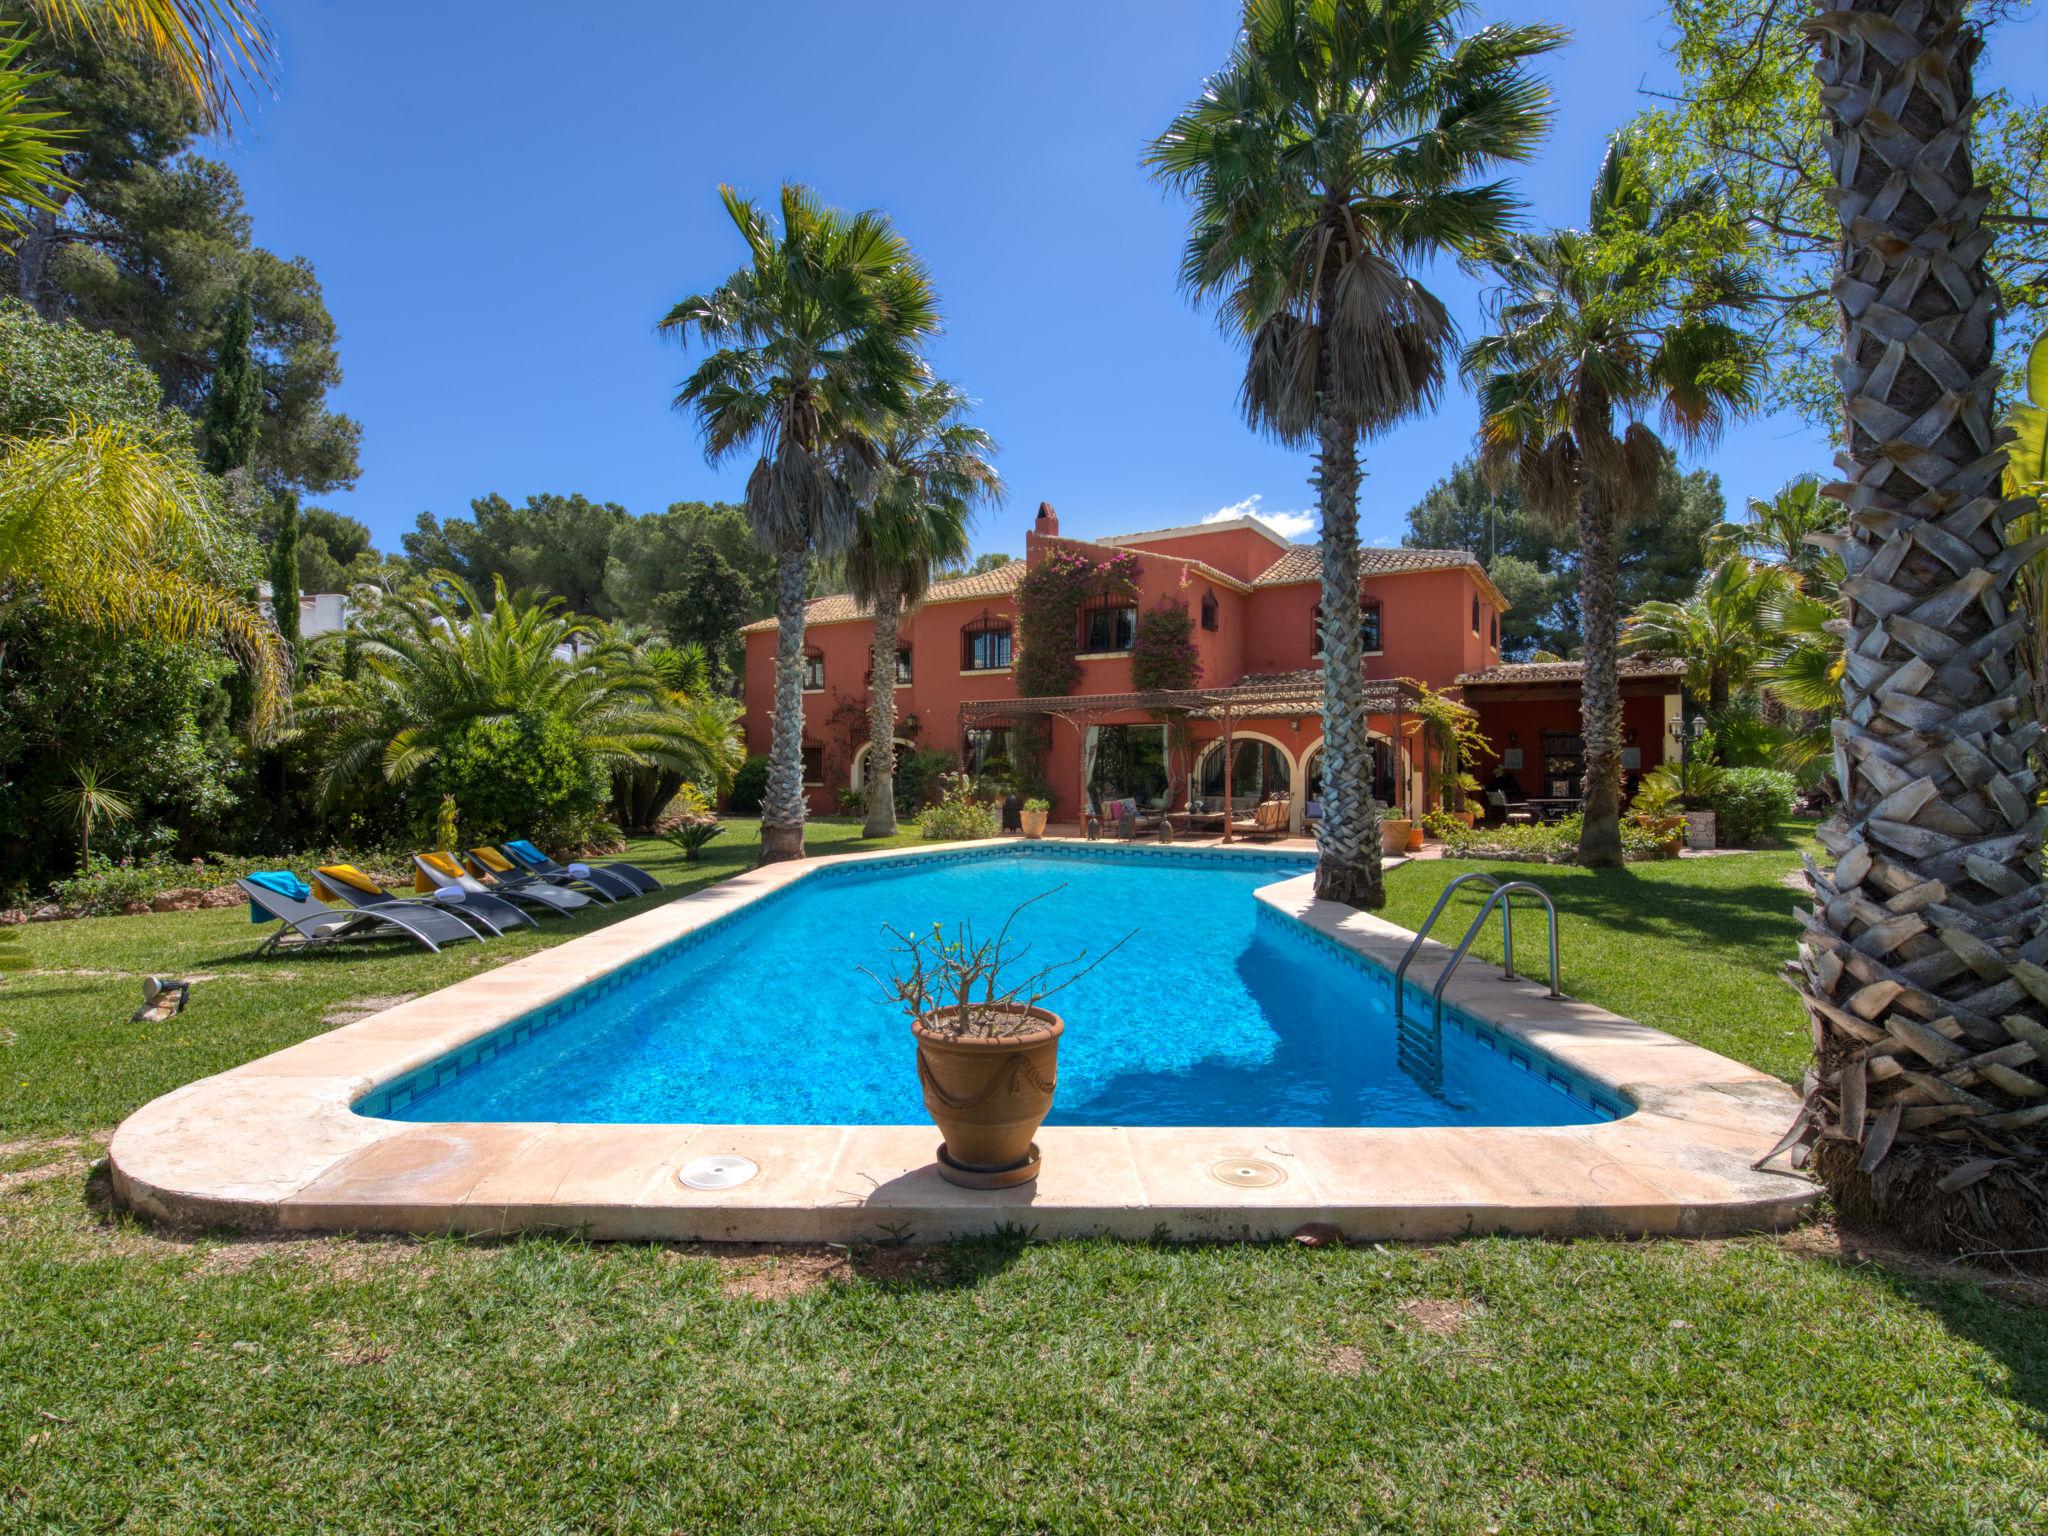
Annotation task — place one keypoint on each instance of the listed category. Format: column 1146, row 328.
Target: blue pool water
column 1214, row 1013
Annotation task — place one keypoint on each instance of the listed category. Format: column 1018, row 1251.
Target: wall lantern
column 910, row 723
column 1629, row 736
column 1514, row 738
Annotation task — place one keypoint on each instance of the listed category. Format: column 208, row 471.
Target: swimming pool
column 1218, row 1011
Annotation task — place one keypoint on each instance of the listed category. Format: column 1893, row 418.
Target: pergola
column 1254, row 697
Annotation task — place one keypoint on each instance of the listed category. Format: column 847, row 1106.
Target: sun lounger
column 442, row 869
column 536, row 862
column 503, row 861
column 317, row 923
column 484, row 912
column 1269, row 820
column 502, row 875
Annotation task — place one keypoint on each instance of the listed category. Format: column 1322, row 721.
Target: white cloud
column 1289, row 525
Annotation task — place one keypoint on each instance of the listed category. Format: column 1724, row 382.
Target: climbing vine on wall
column 1163, row 655
column 1049, row 603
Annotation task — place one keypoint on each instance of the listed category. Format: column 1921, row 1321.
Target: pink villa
column 1254, row 733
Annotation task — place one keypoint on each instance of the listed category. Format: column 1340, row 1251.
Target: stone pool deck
column 276, row 1145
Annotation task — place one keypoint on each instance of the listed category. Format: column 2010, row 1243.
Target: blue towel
column 282, row 881
column 527, row 851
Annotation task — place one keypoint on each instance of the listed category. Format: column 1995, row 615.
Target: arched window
column 814, row 671
column 1109, row 623
column 1209, row 610
column 985, row 643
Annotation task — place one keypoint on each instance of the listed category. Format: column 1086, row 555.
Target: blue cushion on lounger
column 282, row 881
column 526, row 850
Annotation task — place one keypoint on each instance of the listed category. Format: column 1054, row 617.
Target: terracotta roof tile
column 840, row 608
column 1304, row 563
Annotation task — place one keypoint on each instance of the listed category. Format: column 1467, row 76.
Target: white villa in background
column 320, row 613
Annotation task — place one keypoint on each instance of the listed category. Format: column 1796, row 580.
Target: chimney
column 1048, row 524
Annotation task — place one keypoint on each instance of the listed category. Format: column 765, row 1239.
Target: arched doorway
column 857, row 778
column 1383, row 787
column 1260, row 768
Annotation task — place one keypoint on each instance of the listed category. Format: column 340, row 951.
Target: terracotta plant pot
column 1034, row 822
column 1393, row 835
column 1467, row 817
column 1415, row 839
column 988, row 1097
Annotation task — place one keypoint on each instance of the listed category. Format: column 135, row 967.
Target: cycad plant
column 1592, row 331
column 439, row 667
column 813, row 357
column 935, row 471
column 109, row 526
column 1924, row 958
column 1344, row 143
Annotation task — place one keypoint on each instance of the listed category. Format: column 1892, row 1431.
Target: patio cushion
column 282, row 881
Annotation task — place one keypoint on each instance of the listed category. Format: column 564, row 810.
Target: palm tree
column 814, row 357
column 211, row 47
column 1718, row 634
column 1592, row 330
column 937, row 471
column 436, row 661
column 109, row 526
column 1342, row 144
column 1922, row 964
column 1777, row 532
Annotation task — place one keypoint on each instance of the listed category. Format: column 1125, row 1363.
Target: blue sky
column 500, row 206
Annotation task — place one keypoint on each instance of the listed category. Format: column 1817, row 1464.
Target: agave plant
column 439, row 659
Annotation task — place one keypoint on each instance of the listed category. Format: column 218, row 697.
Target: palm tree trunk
column 782, row 804
column 1925, row 961
column 1600, row 687
column 880, row 786
column 1348, row 836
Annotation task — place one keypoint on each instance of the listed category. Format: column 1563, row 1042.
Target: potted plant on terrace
column 987, row 1052
column 1034, row 815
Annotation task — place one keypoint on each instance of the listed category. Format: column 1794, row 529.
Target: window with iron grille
column 1109, row 623
column 814, row 672
column 814, row 765
column 985, row 644
column 902, row 664
column 1368, row 627
column 1209, row 610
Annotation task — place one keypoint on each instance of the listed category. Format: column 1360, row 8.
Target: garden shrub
column 958, row 815
column 749, row 784
column 1163, row 654
column 523, row 775
column 917, row 778
column 1553, row 843
column 1749, row 803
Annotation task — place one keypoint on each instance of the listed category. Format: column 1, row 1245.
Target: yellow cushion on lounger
column 492, row 860
column 441, row 863
column 328, row 876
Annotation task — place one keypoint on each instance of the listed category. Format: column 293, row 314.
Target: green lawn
column 153, row 1382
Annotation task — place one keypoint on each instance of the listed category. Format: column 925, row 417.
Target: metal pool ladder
column 1420, row 1051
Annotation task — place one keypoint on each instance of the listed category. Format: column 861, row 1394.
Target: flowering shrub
column 1049, row 603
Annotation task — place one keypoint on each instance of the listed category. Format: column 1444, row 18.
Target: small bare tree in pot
column 987, row 1052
